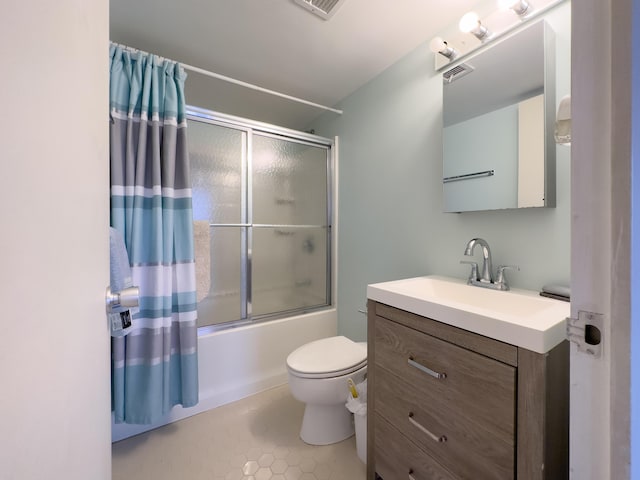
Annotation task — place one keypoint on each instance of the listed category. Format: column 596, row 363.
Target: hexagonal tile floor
column 256, row 438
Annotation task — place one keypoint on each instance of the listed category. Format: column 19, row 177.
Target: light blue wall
column 391, row 223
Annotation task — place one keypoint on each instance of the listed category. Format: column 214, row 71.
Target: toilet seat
column 327, row 358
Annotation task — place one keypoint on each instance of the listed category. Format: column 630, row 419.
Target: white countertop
column 518, row 317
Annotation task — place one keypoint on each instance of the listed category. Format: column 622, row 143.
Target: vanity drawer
column 399, row 459
column 470, row 385
column 486, row 346
column 446, row 432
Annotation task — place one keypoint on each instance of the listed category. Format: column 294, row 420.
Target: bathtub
column 242, row 361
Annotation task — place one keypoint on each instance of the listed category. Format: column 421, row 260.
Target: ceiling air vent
column 457, row 72
column 322, row 8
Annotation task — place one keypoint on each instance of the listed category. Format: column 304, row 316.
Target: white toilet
column 318, row 373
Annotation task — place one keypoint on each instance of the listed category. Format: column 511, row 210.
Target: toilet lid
column 328, row 357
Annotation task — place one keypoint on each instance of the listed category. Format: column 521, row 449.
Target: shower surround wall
column 391, row 221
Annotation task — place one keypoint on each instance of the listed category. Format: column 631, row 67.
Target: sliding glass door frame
column 249, row 128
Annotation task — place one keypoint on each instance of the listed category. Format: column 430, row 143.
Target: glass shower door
column 218, row 176
column 264, row 198
column 290, row 225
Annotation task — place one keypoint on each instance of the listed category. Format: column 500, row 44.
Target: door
column 263, row 193
column 54, row 245
column 600, row 249
column 635, row 240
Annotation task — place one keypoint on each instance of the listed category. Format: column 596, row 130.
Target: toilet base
column 326, row 424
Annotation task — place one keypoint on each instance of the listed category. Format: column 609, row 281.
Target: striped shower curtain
column 155, row 366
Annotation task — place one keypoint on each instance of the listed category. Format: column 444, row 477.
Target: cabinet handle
column 435, row 438
column 411, row 477
column 422, row 368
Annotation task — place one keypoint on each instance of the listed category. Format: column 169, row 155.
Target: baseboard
column 208, row 401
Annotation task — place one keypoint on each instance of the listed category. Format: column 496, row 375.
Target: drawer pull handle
column 428, row 371
column 435, row 438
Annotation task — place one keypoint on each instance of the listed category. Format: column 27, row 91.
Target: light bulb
column 521, row 7
column 469, row 22
column 437, row 44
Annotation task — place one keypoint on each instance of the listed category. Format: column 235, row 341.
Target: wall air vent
column 322, row 8
column 457, row 72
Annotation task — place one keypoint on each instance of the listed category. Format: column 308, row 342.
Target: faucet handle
column 502, row 280
column 473, row 276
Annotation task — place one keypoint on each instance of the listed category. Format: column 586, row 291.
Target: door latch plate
column 586, row 332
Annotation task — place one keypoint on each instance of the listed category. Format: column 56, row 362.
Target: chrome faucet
column 486, row 255
column 486, row 278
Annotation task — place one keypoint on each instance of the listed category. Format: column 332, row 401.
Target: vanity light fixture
column 438, row 45
column 520, row 7
column 470, row 23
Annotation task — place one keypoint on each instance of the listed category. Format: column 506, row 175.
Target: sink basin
column 519, row 317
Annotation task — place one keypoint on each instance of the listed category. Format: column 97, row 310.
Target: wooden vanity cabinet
column 448, row 404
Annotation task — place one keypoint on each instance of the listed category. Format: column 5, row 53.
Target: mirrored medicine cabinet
column 498, row 118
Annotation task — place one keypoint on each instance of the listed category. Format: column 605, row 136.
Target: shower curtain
column 155, row 366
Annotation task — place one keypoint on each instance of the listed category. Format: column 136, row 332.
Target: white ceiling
column 281, row 46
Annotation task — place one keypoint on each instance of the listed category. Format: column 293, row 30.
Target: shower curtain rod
column 237, row 82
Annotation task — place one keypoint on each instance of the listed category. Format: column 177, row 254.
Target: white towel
column 202, row 251
column 119, row 267
column 120, row 278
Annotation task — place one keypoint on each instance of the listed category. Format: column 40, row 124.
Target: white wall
column 54, row 207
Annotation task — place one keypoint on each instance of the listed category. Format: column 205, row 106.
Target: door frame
column 600, row 245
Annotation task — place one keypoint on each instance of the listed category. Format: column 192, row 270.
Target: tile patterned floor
column 256, row 438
